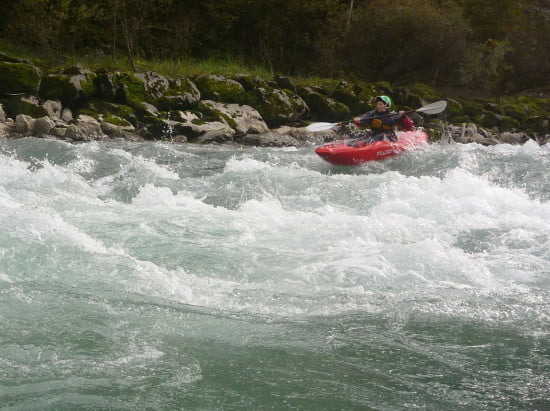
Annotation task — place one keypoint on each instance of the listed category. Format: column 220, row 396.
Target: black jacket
column 380, row 122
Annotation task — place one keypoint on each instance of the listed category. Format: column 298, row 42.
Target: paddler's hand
column 401, row 113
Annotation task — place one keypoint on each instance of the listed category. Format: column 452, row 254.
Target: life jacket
column 406, row 124
column 384, row 122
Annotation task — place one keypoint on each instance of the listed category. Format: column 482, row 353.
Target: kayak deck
column 350, row 152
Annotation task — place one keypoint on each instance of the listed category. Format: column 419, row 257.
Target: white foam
column 245, row 165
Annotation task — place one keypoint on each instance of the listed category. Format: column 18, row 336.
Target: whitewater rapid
column 138, row 273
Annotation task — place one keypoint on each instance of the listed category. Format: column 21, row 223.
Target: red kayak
column 350, row 153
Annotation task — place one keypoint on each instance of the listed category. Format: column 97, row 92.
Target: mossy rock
column 345, row 93
column 250, row 82
column 507, row 123
column 90, row 112
column 385, row 88
column 116, row 120
column 324, row 108
column 130, row 90
column 537, row 124
column 71, row 90
column 182, row 94
column 525, row 106
column 366, row 94
column 460, row 119
column 220, row 88
column 208, row 112
column 473, row 107
column 416, row 95
column 276, row 106
column 454, row 108
column 23, row 105
column 106, row 108
column 485, row 119
column 16, row 78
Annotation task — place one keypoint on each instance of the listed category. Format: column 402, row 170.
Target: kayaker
column 382, row 120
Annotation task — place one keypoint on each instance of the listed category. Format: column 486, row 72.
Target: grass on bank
column 171, row 68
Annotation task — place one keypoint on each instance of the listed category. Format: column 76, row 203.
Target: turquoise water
column 166, row 276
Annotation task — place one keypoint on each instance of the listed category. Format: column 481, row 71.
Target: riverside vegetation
column 79, row 104
column 89, row 70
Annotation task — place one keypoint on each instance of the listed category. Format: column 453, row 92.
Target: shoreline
column 78, row 104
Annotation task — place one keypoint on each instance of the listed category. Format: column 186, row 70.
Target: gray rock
column 269, row 139
column 86, row 129
column 53, row 108
column 207, row 133
column 244, row 119
column 42, row 126
column 5, row 130
column 23, row 124
column 67, row 115
column 513, row 138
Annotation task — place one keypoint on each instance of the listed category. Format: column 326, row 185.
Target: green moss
column 454, row 108
column 72, row 90
column 22, row 105
column 89, row 112
column 249, row 81
column 131, row 89
column 232, row 123
column 106, row 108
column 58, row 87
column 117, row 121
column 220, row 89
column 485, row 119
column 506, row 123
column 472, row 108
column 460, row 119
column 18, row 78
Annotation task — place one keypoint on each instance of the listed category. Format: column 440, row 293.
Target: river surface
column 165, row 277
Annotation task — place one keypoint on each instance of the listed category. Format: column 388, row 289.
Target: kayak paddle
column 433, row 108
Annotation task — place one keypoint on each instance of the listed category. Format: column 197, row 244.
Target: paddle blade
column 320, row 126
column 434, row 108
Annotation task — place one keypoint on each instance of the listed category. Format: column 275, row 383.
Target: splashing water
column 170, row 276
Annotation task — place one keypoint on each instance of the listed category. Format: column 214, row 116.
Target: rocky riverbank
column 78, row 104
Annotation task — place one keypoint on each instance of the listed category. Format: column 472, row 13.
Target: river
column 168, row 276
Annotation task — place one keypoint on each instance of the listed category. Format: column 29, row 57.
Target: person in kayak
column 382, row 120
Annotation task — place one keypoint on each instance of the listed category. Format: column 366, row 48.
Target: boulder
column 243, row 119
column 5, row 130
column 345, row 93
column 86, row 129
column 42, row 126
column 53, row 108
column 250, row 82
column 19, row 78
column 284, row 82
column 155, row 84
column 324, row 108
column 72, row 87
column 513, row 138
column 181, row 95
column 276, row 106
column 28, row 105
column 206, row 133
column 66, row 115
column 116, row 127
column 269, row 139
column 105, row 86
column 23, row 124
column 219, row 88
